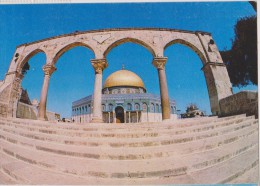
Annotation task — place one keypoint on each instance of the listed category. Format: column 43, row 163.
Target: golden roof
column 123, row 78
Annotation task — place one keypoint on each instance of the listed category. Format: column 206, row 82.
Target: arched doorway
column 119, row 114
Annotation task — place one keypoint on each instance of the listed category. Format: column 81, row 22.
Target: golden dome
column 124, row 78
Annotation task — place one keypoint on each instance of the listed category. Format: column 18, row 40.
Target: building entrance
column 119, row 115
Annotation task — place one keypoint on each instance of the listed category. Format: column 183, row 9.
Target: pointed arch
column 68, row 47
column 28, row 57
column 131, row 40
column 190, row 45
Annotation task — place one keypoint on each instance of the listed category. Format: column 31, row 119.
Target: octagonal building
column 124, row 100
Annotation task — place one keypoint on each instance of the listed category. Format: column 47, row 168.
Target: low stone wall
column 30, row 112
column 26, row 111
column 244, row 102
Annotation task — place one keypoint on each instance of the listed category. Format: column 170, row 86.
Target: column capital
column 48, row 69
column 99, row 65
column 159, row 62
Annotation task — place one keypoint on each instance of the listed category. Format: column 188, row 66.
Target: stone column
column 159, row 63
column 114, row 117
column 99, row 65
column 108, row 117
column 137, row 117
column 48, row 70
column 129, row 121
column 125, row 116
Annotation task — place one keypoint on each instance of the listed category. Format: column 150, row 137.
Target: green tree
column 241, row 59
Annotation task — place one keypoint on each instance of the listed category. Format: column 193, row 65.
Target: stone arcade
column 124, row 100
column 206, row 150
column 101, row 42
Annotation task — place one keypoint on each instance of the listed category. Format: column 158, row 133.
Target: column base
column 166, row 120
column 42, row 119
column 96, row 120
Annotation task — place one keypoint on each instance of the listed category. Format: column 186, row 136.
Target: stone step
column 220, row 135
column 227, row 171
column 212, row 150
column 142, row 133
column 23, row 175
column 176, row 165
column 100, row 127
column 114, row 134
column 26, row 173
column 249, row 175
column 5, row 179
column 14, row 163
column 132, row 152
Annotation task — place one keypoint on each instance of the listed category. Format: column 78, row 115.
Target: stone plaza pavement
column 189, row 151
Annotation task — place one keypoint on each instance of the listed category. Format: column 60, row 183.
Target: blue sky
column 74, row 78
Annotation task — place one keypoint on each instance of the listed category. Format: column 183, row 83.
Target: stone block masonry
column 244, row 102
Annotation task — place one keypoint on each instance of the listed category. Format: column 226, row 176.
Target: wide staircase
column 189, row 151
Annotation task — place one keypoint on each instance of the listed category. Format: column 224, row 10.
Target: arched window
column 157, row 108
column 123, row 91
column 129, row 106
column 137, row 106
column 152, row 107
column 110, row 107
column 103, row 107
column 132, row 91
column 115, row 91
column 86, row 108
column 144, row 107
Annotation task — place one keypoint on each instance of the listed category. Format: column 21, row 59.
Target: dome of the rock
column 124, row 78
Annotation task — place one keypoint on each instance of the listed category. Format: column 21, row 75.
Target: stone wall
column 30, row 112
column 3, row 110
column 26, row 111
column 240, row 103
column 52, row 116
column 83, row 118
